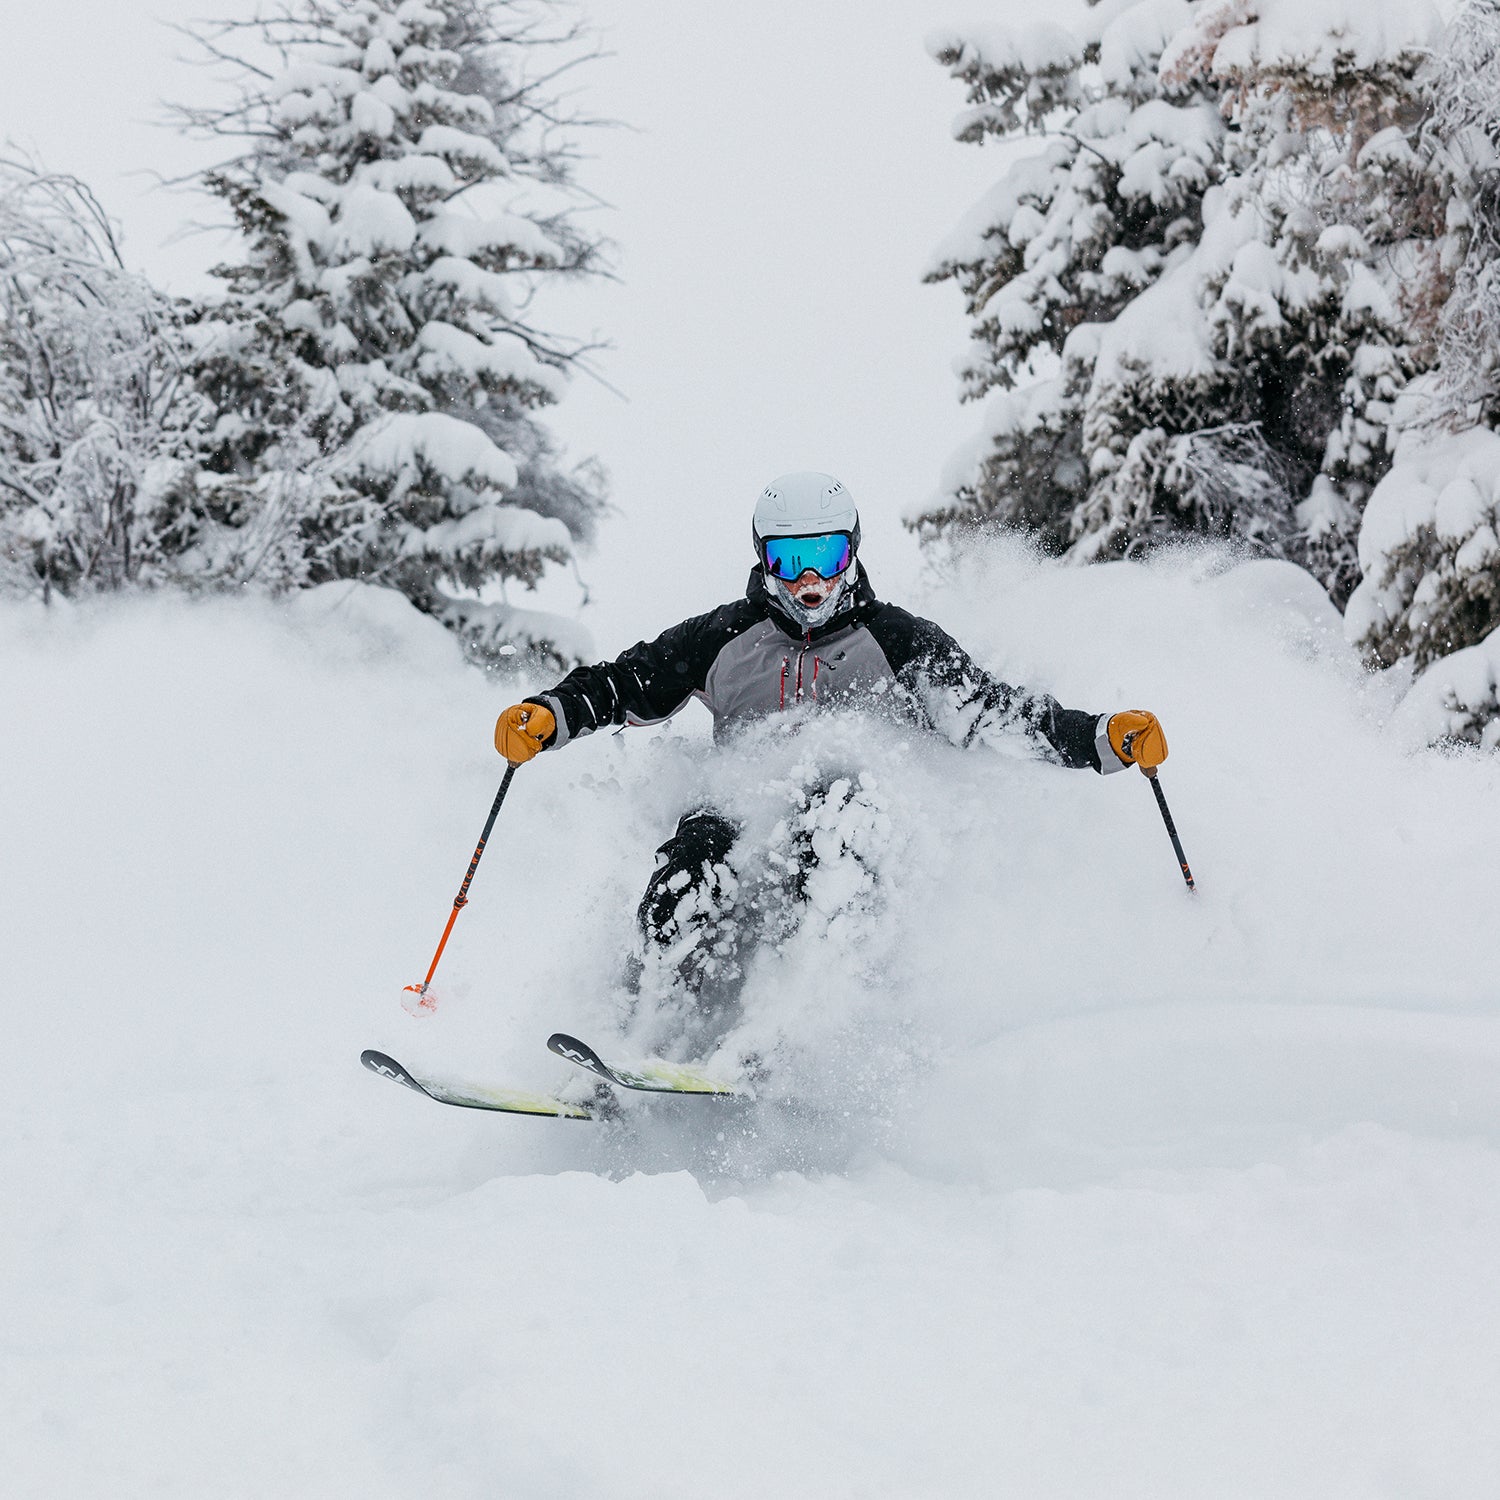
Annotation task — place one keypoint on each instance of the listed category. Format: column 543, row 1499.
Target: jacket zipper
column 802, row 657
column 786, row 661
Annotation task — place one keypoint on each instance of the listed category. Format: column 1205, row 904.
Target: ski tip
column 474, row 1096
column 575, row 1051
column 388, row 1067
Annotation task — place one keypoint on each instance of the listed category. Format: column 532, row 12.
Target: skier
column 809, row 630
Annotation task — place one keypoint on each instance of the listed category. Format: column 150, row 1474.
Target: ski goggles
column 789, row 557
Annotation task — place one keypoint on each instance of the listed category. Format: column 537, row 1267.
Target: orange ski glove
column 1137, row 738
column 522, row 730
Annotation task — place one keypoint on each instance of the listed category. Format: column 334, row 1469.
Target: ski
column 472, row 1096
column 652, row 1076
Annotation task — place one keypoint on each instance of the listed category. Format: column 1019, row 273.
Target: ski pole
column 1166, row 818
column 425, row 1001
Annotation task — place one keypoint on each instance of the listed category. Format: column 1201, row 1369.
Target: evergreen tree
column 374, row 362
column 1071, row 234
column 1238, row 380
column 96, row 416
column 1327, row 310
column 1462, row 131
column 1429, row 603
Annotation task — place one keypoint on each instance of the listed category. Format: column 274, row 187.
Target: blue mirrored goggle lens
column 790, row 557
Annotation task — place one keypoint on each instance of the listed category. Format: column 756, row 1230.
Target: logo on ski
column 580, row 1055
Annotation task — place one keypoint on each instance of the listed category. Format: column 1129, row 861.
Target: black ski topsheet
column 474, row 1096
column 653, row 1076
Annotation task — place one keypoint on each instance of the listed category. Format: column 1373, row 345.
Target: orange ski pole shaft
column 461, row 900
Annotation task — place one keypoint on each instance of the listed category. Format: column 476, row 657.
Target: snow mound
column 1456, row 700
column 413, row 445
column 1430, row 547
column 1056, row 1152
column 1328, row 38
column 1447, row 484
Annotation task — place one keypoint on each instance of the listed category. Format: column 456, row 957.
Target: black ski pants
column 685, row 879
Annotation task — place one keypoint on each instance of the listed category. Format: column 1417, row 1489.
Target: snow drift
column 1163, row 1195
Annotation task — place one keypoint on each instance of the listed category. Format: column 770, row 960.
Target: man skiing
column 809, row 631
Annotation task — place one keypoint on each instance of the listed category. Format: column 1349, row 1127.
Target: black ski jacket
column 748, row 659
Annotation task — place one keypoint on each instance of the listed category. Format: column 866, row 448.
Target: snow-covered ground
column 1112, row 1192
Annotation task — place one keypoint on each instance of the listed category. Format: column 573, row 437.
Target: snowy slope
column 1117, row 1192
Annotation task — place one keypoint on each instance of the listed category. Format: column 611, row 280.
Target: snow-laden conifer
column 376, row 361
column 1324, row 308
column 1237, row 381
column 1107, row 200
column 96, row 483
column 1429, row 602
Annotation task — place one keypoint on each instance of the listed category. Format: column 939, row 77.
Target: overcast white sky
column 787, row 171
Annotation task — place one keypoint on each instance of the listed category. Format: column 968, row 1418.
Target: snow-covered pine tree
column 1107, row 202
column 1324, row 299
column 96, row 415
column 1430, row 543
column 1237, row 381
column 375, row 362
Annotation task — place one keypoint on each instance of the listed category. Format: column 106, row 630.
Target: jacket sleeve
column 965, row 703
column 646, row 684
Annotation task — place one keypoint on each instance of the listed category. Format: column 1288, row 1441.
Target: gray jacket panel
column 745, row 660
column 765, row 670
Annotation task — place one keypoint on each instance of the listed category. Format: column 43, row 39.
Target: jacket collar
column 853, row 607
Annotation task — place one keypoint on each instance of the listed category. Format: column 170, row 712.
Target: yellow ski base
column 652, row 1076
column 476, row 1096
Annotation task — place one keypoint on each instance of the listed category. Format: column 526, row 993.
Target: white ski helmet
column 806, row 507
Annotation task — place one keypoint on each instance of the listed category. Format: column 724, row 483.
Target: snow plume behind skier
column 810, row 634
